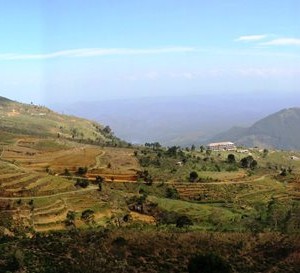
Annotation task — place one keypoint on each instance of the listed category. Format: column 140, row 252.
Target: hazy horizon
column 70, row 51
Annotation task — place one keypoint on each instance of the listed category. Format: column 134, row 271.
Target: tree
column 265, row 153
column 231, row 158
column 172, row 151
column 99, row 181
column 193, row 148
column 88, row 216
column 82, row 170
column 248, row 162
column 70, row 219
column 107, row 130
column 193, row 176
column 253, row 164
column 201, row 148
column 145, row 176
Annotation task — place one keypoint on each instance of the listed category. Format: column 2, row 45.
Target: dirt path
column 98, row 163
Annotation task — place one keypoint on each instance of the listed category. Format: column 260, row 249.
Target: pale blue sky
column 72, row 50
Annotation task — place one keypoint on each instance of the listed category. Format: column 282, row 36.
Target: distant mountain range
column 279, row 130
column 178, row 120
column 171, row 122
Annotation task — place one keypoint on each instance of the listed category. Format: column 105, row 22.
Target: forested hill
column 280, row 130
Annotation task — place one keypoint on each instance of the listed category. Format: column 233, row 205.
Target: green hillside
column 280, row 130
column 28, row 119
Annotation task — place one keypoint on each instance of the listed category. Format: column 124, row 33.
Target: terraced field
column 38, row 192
column 228, row 191
column 32, row 184
column 31, row 155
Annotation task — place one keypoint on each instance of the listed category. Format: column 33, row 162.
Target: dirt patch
column 142, row 217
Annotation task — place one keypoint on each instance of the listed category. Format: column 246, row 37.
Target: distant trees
column 248, row 162
column 193, row 148
column 201, row 148
column 145, row 176
column 107, row 130
column 172, row 151
column 231, row 158
column 154, row 145
column 265, row 153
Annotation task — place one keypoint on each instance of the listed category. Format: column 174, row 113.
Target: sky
column 72, row 50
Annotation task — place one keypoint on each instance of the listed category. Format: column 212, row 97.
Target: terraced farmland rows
column 32, row 184
column 211, row 191
column 21, row 184
column 6, row 178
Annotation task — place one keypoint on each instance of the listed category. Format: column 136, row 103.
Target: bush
column 231, row 158
column 83, row 183
column 193, row 176
column 183, row 221
column 82, row 170
column 172, row 193
column 208, row 263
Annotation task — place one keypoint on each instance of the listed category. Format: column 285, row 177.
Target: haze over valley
column 180, row 120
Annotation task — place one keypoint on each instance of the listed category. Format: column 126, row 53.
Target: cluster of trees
column 248, row 162
column 154, row 145
column 145, row 176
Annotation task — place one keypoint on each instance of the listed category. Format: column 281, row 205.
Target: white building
column 221, row 146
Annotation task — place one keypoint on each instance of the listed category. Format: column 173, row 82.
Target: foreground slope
column 280, row 130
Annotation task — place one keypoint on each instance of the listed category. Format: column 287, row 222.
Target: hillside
column 120, row 208
column 280, row 130
column 28, row 119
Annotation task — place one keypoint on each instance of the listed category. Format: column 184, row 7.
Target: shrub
column 83, row 183
column 193, row 176
column 82, row 170
column 172, row 193
column 183, row 221
column 208, row 263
